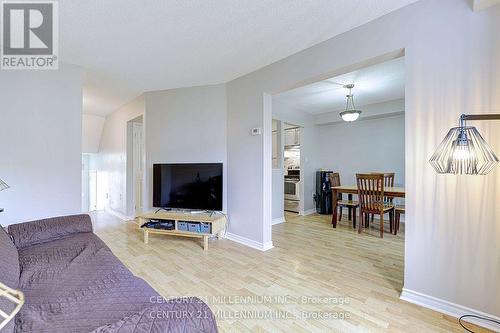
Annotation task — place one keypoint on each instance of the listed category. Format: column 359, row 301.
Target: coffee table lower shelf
column 147, row 231
column 217, row 222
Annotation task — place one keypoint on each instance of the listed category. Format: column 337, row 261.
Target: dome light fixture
column 350, row 114
column 464, row 151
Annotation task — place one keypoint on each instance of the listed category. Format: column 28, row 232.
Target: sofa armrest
column 41, row 231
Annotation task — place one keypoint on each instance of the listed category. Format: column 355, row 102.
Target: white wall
column 40, row 143
column 186, row 125
column 180, row 125
column 376, row 145
column 278, row 204
column 91, row 133
column 112, row 175
column 452, row 66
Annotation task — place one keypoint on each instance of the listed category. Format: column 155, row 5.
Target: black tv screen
column 188, row 186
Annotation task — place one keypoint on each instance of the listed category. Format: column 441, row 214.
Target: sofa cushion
column 41, row 231
column 76, row 284
column 9, row 272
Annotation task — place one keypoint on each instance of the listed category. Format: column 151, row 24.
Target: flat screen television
column 188, row 186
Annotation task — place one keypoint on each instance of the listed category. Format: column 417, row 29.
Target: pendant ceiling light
column 464, row 151
column 350, row 113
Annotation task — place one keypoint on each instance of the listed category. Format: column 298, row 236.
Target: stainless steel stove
column 292, row 190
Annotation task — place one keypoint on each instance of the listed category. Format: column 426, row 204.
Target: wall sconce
column 464, row 151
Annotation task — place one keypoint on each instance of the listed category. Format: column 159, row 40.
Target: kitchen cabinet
column 292, row 137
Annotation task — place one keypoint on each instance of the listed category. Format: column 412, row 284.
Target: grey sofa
column 72, row 282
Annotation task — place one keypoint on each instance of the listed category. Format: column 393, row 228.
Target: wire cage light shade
column 3, row 185
column 464, row 151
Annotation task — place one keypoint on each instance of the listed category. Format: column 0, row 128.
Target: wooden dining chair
column 400, row 209
column 351, row 205
column 371, row 200
column 388, row 182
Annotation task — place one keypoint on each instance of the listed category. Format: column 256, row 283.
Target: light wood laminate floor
column 353, row 281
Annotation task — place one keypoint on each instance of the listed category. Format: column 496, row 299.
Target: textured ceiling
column 130, row 46
column 375, row 84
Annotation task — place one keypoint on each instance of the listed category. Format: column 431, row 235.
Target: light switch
column 256, row 131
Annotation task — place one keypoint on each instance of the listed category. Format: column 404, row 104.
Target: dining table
column 391, row 192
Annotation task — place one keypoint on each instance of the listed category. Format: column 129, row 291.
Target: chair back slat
column 370, row 191
column 335, row 181
column 389, row 179
column 388, row 182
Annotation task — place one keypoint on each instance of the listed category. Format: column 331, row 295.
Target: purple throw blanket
column 73, row 283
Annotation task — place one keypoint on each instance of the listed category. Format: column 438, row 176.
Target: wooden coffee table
column 218, row 224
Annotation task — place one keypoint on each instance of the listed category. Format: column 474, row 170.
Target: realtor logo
column 29, row 35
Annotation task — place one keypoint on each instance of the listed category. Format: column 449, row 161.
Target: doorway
column 347, row 146
column 135, row 166
column 288, row 191
column 89, row 183
column 92, row 190
column 291, row 160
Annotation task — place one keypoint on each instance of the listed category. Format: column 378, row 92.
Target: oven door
column 292, row 205
column 292, row 189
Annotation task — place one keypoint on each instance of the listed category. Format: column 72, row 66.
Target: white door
column 92, row 190
column 85, row 183
column 138, row 167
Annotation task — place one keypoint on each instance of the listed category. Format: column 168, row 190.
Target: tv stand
column 217, row 224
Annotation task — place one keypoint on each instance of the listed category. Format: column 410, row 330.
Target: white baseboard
column 249, row 242
column 307, row 212
column 278, row 220
column 267, row 246
column 448, row 308
column 119, row 215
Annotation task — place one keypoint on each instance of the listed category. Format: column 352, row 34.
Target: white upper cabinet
column 292, row 136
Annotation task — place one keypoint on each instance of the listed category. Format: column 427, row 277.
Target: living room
column 198, row 80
